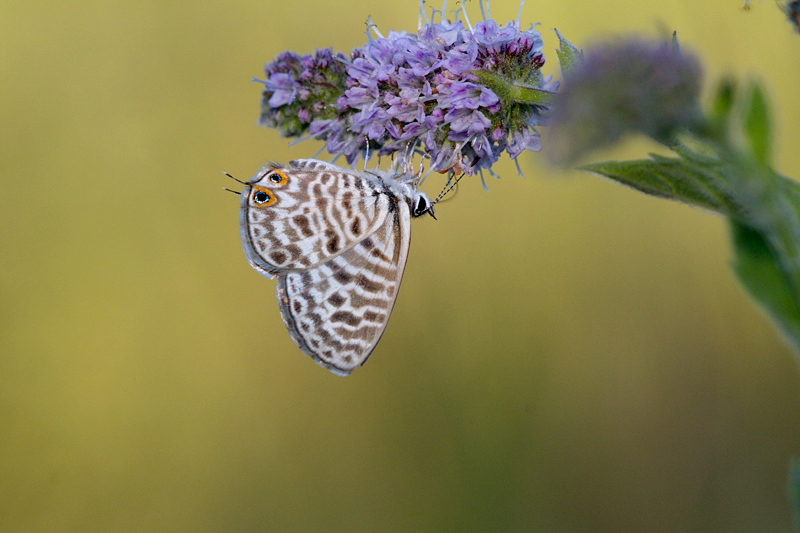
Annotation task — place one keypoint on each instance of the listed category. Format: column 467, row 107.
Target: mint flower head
column 459, row 94
column 622, row 86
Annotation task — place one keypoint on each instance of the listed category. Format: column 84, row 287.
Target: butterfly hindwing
column 337, row 311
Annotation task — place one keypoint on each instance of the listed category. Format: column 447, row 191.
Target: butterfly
column 337, row 240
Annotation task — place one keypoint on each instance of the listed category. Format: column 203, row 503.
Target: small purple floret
column 282, row 87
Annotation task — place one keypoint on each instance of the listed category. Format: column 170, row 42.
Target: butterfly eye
column 422, row 205
column 277, row 178
column 261, row 197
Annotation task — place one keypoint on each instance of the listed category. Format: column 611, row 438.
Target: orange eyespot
column 262, row 197
column 276, row 177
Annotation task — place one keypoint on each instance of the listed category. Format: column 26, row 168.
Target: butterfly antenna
column 451, row 196
column 234, row 179
column 366, row 152
column 231, row 190
column 447, row 188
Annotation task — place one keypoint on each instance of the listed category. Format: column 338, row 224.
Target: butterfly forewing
column 337, row 311
column 296, row 217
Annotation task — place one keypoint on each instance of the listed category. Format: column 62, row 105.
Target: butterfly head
column 421, row 204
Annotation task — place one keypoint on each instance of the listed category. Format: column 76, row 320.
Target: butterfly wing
column 337, row 311
column 296, row 217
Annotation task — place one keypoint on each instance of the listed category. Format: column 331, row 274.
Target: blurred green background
column 565, row 354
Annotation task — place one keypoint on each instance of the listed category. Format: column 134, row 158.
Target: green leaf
column 755, row 123
column 721, row 107
column 770, row 204
column 569, row 55
column 747, row 192
column 760, row 271
column 674, row 178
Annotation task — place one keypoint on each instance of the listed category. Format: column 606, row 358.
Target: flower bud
column 618, row 87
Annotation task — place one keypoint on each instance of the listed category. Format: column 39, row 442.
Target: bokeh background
column 565, row 355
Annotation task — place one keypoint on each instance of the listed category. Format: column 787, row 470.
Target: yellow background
column 565, row 355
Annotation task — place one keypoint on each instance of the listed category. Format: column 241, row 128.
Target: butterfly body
column 337, row 240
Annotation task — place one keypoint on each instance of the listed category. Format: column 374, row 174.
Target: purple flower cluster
column 403, row 91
